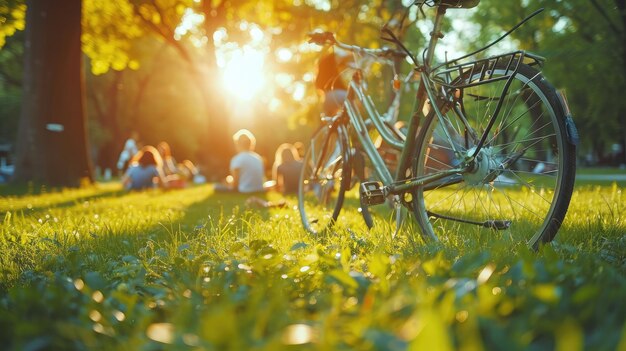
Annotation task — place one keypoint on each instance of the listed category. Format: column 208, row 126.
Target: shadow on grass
column 32, row 210
column 216, row 207
column 22, row 189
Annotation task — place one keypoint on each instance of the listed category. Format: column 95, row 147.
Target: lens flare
column 243, row 73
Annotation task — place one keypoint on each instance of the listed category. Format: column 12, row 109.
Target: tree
column 585, row 46
column 52, row 140
column 12, row 14
column 117, row 99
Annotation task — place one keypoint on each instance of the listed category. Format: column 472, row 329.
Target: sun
column 242, row 68
column 243, row 73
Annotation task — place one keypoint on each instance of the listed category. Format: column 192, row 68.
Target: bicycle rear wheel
column 324, row 179
column 520, row 182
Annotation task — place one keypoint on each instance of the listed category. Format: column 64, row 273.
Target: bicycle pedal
column 372, row 193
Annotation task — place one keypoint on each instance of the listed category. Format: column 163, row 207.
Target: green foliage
column 109, row 28
column 12, row 18
column 11, row 61
column 585, row 50
column 98, row 268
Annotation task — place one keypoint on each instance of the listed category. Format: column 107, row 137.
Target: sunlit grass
column 99, row 268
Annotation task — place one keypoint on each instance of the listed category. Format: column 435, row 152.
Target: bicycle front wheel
column 324, row 179
column 519, row 184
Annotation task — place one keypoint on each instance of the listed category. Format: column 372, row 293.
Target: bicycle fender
column 572, row 131
column 570, row 127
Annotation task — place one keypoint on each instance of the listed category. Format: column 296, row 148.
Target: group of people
column 151, row 167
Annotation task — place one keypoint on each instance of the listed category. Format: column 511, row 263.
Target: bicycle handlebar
column 322, row 38
column 328, row 38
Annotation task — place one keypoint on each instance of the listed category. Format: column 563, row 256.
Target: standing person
column 131, row 148
column 246, row 167
column 144, row 170
column 287, row 168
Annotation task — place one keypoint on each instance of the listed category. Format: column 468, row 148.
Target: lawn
column 601, row 176
column 98, row 268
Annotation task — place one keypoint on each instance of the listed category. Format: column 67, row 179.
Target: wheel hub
column 484, row 168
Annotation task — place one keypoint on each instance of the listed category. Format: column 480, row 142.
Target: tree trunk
column 52, row 136
column 218, row 145
column 217, row 148
column 621, row 5
column 110, row 121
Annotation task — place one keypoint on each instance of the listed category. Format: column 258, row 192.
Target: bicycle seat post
column 435, row 35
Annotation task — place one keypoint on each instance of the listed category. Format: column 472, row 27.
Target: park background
column 193, row 72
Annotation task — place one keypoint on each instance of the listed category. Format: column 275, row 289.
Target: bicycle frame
column 395, row 184
column 398, row 183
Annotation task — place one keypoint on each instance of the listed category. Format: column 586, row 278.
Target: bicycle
column 490, row 145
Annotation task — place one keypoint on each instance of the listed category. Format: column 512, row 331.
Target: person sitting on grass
column 285, row 175
column 246, row 167
column 177, row 175
column 190, row 172
column 144, row 171
column 169, row 163
column 287, row 168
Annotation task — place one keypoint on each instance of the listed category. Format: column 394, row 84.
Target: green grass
column 99, row 268
column 600, row 170
column 600, row 176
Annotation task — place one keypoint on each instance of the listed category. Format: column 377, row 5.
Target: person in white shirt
column 246, row 167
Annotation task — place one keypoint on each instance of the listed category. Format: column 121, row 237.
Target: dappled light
column 298, row 334
column 312, row 175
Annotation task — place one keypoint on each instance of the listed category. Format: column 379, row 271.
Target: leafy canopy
column 12, row 18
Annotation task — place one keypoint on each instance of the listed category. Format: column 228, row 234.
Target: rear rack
column 481, row 71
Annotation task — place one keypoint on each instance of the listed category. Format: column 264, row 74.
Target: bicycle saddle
column 465, row 4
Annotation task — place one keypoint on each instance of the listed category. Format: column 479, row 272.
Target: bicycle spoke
column 523, row 206
column 507, row 112
column 500, row 129
column 321, row 190
column 516, row 119
column 538, row 139
column 517, row 173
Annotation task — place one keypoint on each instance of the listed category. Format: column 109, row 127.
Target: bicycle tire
column 321, row 190
column 524, row 187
